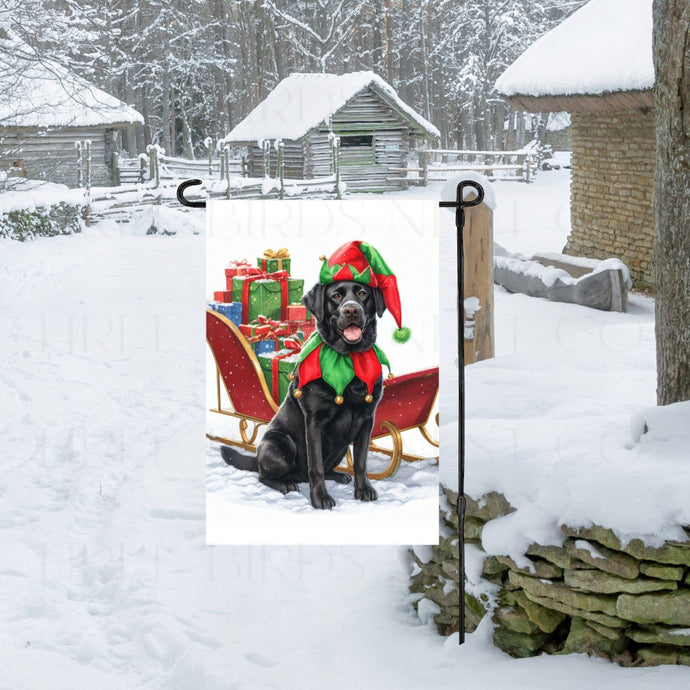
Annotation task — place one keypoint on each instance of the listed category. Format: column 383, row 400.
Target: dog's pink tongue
column 352, row 333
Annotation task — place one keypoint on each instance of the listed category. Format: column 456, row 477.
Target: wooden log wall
column 50, row 155
column 293, row 156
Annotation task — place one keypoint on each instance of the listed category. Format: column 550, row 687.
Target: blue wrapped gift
column 262, row 347
column 230, row 310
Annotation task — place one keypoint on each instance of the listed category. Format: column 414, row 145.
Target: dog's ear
column 379, row 302
column 313, row 301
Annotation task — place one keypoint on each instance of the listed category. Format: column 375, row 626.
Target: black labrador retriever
column 310, row 433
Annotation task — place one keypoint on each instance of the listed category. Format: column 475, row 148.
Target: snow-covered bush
column 28, row 223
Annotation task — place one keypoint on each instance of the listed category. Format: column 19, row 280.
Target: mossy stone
column 657, row 634
column 595, row 616
column 547, row 620
column 563, row 593
column 612, row 562
column 518, row 644
column 662, row 572
column 583, row 638
column 672, row 608
column 606, row 583
column 543, row 569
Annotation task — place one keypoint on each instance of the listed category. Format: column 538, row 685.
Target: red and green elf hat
column 360, row 262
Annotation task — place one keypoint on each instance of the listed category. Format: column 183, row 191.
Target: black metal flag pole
column 460, row 205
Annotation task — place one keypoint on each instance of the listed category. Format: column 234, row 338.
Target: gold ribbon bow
column 281, row 253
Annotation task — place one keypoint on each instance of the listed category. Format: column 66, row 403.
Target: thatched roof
column 600, row 58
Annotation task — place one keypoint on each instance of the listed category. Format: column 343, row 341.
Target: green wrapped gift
column 261, row 295
column 277, row 367
column 278, row 260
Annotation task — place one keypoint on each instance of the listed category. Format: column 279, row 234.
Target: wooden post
column 424, row 165
column 267, row 157
column 208, row 143
column 116, row 168
column 281, row 168
column 158, row 165
column 225, row 167
column 77, row 147
column 87, row 166
column 245, row 165
column 479, row 283
column 528, row 167
column 335, row 148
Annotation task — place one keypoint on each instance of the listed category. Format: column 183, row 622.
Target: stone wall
column 628, row 603
column 611, row 192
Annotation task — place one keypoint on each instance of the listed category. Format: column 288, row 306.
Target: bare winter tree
column 672, row 199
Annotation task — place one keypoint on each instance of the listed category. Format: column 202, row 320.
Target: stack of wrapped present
column 264, row 302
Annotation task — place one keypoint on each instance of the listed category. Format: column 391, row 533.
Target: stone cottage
column 597, row 66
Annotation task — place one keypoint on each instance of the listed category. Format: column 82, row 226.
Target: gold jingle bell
column 339, row 399
column 291, row 377
column 297, row 392
column 391, row 375
column 368, row 398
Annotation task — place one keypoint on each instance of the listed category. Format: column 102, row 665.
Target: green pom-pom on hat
column 402, row 334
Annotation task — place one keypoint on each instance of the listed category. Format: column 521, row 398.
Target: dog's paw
column 339, row 477
column 366, row 492
column 322, row 500
column 288, row 487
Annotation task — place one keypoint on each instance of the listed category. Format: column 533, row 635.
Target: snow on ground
column 105, row 578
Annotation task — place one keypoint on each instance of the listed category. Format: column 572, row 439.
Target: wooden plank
column 479, row 282
column 588, row 103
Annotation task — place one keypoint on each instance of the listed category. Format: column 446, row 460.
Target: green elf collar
column 319, row 360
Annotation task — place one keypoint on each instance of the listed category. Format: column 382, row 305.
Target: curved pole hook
column 186, row 202
column 460, row 204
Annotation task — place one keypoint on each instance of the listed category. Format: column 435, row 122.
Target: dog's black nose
column 352, row 311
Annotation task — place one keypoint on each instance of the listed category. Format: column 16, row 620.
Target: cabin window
column 351, row 141
column 357, row 149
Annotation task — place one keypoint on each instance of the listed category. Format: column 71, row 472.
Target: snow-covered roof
column 604, row 47
column 38, row 92
column 301, row 102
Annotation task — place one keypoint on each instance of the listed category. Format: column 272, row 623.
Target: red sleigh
column 406, row 404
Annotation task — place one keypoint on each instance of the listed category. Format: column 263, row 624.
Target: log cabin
column 375, row 127
column 46, row 111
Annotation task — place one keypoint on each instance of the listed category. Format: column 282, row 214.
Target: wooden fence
column 155, row 168
column 437, row 165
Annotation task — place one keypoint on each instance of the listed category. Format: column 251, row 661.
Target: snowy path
column 105, row 578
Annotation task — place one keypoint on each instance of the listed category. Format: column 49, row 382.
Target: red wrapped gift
column 298, row 312
column 223, row 296
column 239, row 268
column 306, row 326
column 264, row 329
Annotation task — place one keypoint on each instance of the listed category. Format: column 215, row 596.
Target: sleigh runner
column 406, row 405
